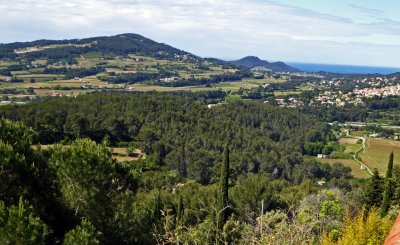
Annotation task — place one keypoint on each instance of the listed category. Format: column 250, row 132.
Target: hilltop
column 254, row 62
column 122, row 44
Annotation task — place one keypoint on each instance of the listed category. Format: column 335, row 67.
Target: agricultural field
column 356, row 171
column 47, row 84
column 377, row 151
column 350, row 148
column 49, row 75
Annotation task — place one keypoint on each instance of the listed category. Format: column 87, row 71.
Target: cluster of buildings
column 379, row 92
column 338, row 98
column 169, row 79
column 364, row 88
column 288, row 103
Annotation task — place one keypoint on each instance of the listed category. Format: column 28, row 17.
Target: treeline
column 76, row 72
column 137, row 77
column 207, row 81
column 201, row 81
column 208, row 97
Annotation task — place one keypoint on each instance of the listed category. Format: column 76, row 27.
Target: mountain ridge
column 252, row 62
column 122, row 44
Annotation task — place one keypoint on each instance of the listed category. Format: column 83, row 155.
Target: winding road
column 356, row 155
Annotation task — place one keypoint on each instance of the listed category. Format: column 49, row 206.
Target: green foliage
column 365, row 228
column 251, row 193
column 16, row 135
column 85, row 172
column 386, row 197
column 181, row 210
column 84, row 234
column 387, row 193
column 6, row 164
column 312, row 148
column 231, row 197
column 262, row 138
column 224, row 189
column 89, row 182
column 322, row 211
column 331, row 208
column 19, row 226
column 373, row 190
column 389, row 171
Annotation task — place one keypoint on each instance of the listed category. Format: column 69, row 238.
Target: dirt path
column 355, row 156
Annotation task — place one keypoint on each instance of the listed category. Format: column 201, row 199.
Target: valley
column 131, row 141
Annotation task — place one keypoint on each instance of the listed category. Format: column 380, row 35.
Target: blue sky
column 334, row 32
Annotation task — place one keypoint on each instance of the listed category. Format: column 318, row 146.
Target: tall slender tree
column 181, row 210
column 224, row 188
column 157, row 208
column 389, row 171
column 182, row 162
column 388, row 186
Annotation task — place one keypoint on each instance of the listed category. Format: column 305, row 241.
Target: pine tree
column 18, row 225
column 388, row 187
column 84, row 234
column 224, row 185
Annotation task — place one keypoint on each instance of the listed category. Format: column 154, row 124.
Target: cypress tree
column 181, row 210
column 389, row 171
column 182, row 162
column 157, row 208
column 224, row 185
column 388, row 186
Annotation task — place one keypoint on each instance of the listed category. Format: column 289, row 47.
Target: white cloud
column 229, row 28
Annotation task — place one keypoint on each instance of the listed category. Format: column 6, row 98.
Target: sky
column 354, row 32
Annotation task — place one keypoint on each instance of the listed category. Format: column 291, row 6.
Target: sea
column 344, row 69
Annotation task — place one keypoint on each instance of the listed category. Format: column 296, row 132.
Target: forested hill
column 262, row 138
column 252, row 61
column 122, row 44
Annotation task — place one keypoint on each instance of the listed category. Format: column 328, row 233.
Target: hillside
column 122, row 44
column 253, row 61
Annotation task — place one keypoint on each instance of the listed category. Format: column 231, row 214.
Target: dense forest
column 233, row 174
column 263, row 138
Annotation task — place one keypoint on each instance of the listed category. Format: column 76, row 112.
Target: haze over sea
column 344, row 69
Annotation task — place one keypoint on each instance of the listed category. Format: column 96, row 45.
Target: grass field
column 356, row 171
column 376, row 154
column 284, row 93
column 352, row 148
column 347, row 140
column 232, row 86
column 121, row 154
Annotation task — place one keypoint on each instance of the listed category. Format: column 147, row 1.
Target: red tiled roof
column 394, row 235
